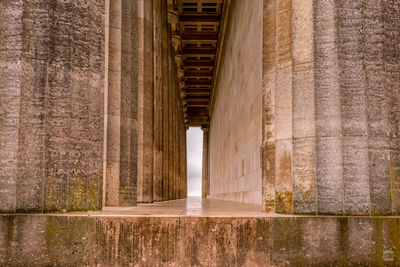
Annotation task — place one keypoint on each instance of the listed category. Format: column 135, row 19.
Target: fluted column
column 158, row 101
column 10, row 98
column 205, row 181
column 284, row 108
column 122, row 98
column 391, row 56
column 145, row 101
column 304, row 138
column 329, row 160
column 165, row 98
column 268, row 102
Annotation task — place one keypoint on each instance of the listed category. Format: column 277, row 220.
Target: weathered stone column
column 10, row 98
column 184, row 164
column 121, row 162
column 165, row 98
column 268, row 102
column 51, row 98
column 329, row 160
column 304, row 138
column 145, row 101
column 175, row 119
column 205, row 181
column 173, row 128
column 158, row 101
column 352, row 82
column 171, row 107
column 391, row 56
column 283, row 109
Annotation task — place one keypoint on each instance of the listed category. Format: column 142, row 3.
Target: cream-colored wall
column 235, row 124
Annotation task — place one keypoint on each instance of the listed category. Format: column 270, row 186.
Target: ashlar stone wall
column 235, row 122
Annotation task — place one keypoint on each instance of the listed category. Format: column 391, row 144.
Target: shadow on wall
column 194, row 160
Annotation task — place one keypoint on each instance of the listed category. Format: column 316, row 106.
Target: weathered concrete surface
column 235, row 123
column 33, row 240
column 51, row 126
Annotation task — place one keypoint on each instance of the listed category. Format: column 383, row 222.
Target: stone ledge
column 79, row 239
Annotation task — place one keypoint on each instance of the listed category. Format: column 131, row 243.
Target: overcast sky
column 194, row 160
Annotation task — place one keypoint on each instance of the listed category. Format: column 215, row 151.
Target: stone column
column 176, row 143
column 329, row 160
column 165, row 98
column 283, row 109
column 184, row 163
column 11, row 43
column 303, row 93
column 158, row 102
column 352, row 82
column 268, row 102
column 171, row 107
column 52, row 64
column 121, row 163
column 205, row 181
column 391, row 22
column 145, row 101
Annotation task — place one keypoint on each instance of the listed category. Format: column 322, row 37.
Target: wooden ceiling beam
column 198, row 74
column 198, row 51
column 188, row 83
column 188, row 63
column 201, row 18
column 196, row 98
column 198, row 121
column 205, row 105
column 199, row 36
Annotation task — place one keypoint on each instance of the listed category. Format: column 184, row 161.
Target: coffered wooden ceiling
column 199, row 24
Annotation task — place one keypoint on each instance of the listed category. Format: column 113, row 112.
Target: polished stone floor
column 186, row 207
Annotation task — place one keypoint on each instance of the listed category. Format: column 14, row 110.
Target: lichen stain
column 269, row 115
column 284, row 202
column 307, row 192
column 77, row 194
column 83, row 196
column 284, row 198
column 269, row 205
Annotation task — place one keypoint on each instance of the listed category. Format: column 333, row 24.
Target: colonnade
column 90, row 106
column 154, row 168
column 331, row 107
